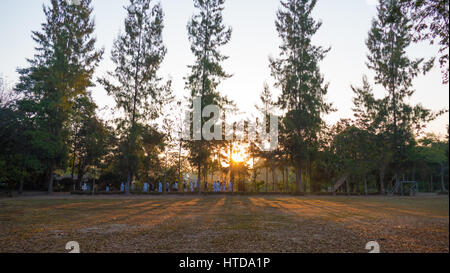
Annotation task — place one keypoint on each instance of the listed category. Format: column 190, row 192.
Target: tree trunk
column 50, row 181
column 431, row 183
column 254, row 177
column 21, row 185
column 347, row 187
column 382, row 182
column 73, row 172
column 299, row 180
column 396, row 181
column 199, row 179
column 287, row 179
column 179, row 163
column 267, row 179
column 274, row 173
column 442, row 178
column 165, row 182
column 128, row 188
column 311, row 188
column 212, row 178
column 366, row 191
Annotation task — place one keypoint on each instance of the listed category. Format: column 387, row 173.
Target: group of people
column 186, row 187
column 221, row 186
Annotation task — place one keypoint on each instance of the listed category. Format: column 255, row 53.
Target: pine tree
column 266, row 109
column 388, row 40
column 61, row 70
column 137, row 89
column 298, row 76
column 207, row 34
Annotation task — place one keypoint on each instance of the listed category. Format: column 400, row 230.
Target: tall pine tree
column 207, row 33
column 298, row 76
column 137, row 89
column 388, row 40
column 61, row 70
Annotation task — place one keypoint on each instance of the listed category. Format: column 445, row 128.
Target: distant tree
column 207, row 33
column 433, row 151
column 61, row 70
column 354, row 149
column 372, row 116
column 18, row 159
column 430, row 23
column 266, row 108
column 90, row 138
column 297, row 74
column 137, row 55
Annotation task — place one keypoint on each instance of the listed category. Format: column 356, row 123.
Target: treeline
column 51, row 135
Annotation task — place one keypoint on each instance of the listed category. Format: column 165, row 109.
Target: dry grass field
column 223, row 224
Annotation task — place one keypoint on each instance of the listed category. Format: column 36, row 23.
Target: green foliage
column 90, row 137
column 207, row 33
column 60, row 71
column 393, row 116
column 297, row 74
column 136, row 87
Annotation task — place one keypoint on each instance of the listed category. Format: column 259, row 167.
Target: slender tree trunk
column 73, row 171
column 50, row 181
column 128, row 187
column 382, row 182
column 287, row 179
column 311, row 188
column 212, row 177
column 347, row 186
column 299, row 180
column 21, row 185
column 273, row 179
column 165, row 183
column 254, row 173
column 179, row 164
column 431, row 183
column 267, row 178
column 199, row 179
column 366, row 191
column 442, row 178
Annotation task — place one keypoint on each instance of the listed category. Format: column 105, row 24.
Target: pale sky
column 345, row 27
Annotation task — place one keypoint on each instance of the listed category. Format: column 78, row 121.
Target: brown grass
column 225, row 224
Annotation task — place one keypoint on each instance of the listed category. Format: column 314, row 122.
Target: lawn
column 243, row 224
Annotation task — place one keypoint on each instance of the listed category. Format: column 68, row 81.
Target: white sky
column 345, row 27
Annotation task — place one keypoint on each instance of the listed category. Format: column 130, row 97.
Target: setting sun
column 239, row 157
